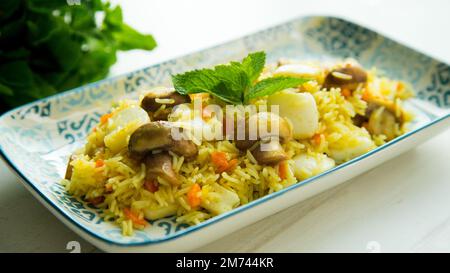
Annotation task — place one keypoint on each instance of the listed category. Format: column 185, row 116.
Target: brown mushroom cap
column 273, row 154
column 148, row 137
column 185, row 148
column 244, row 144
column 150, row 104
column 349, row 76
column 160, row 165
column 157, row 135
column 380, row 121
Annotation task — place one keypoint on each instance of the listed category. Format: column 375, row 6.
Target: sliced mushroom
column 374, row 103
column 272, row 153
column 153, row 101
column 349, row 77
column 148, row 137
column 268, row 120
column 160, row 165
column 244, row 144
column 380, row 117
column 69, row 169
column 157, row 135
column 162, row 114
column 382, row 121
column 185, row 148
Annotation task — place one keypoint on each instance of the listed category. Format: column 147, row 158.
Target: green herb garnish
column 235, row 82
column 47, row 46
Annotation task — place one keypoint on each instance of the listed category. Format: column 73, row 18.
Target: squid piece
column 300, row 109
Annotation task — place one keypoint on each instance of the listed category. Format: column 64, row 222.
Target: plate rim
column 92, row 234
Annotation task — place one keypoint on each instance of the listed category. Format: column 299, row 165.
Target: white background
column 403, row 205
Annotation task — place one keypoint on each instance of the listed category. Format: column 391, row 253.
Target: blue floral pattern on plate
column 36, row 139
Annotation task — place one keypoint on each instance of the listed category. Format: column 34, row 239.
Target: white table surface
column 402, row 205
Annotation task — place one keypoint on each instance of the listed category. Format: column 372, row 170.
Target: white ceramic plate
column 36, row 139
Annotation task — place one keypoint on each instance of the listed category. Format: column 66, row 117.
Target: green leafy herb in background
column 47, row 46
column 235, row 82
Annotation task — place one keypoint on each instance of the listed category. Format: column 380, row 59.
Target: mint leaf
column 195, row 81
column 205, row 81
column 228, row 82
column 272, row 85
column 234, row 79
column 234, row 82
column 253, row 65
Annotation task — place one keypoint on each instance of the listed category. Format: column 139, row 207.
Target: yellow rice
column 120, row 180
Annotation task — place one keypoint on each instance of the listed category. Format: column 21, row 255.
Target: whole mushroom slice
column 157, row 135
column 383, row 122
column 158, row 96
column 160, row 165
column 275, row 125
column 149, row 137
column 380, row 117
column 374, row 103
column 69, row 169
column 185, row 148
column 346, row 77
column 272, row 153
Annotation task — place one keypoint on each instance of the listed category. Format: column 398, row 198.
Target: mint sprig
column 235, row 82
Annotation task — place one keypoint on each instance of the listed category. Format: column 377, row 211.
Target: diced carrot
column 151, row 185
column 346, row 92
column 366, row 95
column 317, row 138
column 99, row 163
column 400, row 86
column 133, row 217
column 283, row 169
column 105, row 117
column 94, row 130
column 220, row 160
column 194, row 199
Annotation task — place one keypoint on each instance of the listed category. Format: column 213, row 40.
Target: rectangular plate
column 36, row 139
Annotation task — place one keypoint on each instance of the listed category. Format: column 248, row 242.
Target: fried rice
column 104, row 173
